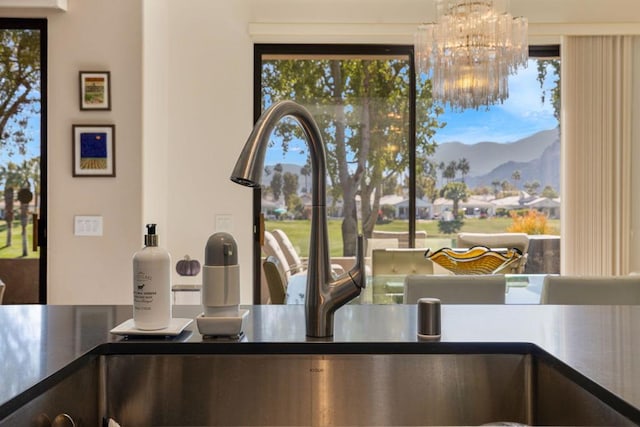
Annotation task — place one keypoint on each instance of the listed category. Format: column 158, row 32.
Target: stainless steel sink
column 467, row 387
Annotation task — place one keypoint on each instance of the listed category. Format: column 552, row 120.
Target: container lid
column 221, row 249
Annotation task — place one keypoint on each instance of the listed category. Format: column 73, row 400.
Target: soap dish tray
column 222, row 326
column 176, row 326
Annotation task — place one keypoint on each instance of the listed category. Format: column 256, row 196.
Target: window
column 361, row 97
column 23, row 158
column 403, row 170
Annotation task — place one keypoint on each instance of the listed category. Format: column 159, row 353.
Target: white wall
column 196, row 57
column 210, row 116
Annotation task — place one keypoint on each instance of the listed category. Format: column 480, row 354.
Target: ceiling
column 537, row 11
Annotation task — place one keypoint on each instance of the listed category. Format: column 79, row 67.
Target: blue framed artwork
column 94, row 150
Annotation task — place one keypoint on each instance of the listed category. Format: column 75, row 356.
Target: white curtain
column 596, row 154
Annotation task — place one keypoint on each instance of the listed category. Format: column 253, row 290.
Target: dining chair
column 401, row 237
column 379, row 243
column 276, row 281
column 470, row 289
column 390, row 266
column 591, row 290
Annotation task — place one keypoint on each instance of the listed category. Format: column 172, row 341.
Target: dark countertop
column 600, row 342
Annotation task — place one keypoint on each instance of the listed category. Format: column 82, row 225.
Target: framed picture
column 95, row 90
column 94, row 150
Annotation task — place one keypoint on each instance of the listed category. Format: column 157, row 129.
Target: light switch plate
column 87, row 225
column 224, row 223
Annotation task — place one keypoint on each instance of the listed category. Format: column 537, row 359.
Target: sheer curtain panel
column 596, row 154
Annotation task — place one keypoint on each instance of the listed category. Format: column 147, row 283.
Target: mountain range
column 537, row 157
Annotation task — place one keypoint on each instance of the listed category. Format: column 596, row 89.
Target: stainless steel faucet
column 324, row 296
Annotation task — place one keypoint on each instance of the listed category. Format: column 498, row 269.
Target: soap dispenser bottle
column 151, row 284
column 221, row 276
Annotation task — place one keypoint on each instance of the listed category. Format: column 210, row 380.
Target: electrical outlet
column 87, row 225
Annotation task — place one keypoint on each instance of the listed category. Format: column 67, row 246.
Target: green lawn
column 15, row 250
column 299, row 230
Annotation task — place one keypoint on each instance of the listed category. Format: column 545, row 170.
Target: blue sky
column 33, row 147
column 521, row 115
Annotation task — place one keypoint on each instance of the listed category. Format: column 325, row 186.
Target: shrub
column 501, row 212
column 388, row 211
column 450, row 227
column 531, row 222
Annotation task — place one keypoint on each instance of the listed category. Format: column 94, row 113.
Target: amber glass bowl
column 476, row 260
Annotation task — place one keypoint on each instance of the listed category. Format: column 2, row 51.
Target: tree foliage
column 456, row 192
column 362, row 110
column 289, row 188
column 15, row 179
column 276, row 185
column 554, row 92
column 19, row 87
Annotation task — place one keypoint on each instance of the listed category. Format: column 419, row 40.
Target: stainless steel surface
column 323, row 296
column 325, row 390
column 429, row 317
column 72, row 401
column 600, row 342
column 63, row 420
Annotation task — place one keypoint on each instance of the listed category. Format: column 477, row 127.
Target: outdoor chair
column 276, row 281
column 295, row 263
column 591, row 290
column 2, row 288
column 272, row 248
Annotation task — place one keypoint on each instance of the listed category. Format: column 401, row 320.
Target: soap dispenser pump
column 151, row 284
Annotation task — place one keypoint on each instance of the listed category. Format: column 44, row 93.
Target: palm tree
column 464, row 167
column 306, row 172
column 449, row 172
column 496, row 187
column 505, row 185
column 12, row 178
column 25, row 196
column 516, row 177
column 8, row 212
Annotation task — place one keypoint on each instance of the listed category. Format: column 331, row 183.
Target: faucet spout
column 323, row 296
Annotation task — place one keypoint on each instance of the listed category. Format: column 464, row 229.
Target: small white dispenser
column 221, row 288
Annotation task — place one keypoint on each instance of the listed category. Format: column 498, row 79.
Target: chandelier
column 471, row 50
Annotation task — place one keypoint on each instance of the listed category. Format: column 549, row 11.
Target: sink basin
column 415, row 384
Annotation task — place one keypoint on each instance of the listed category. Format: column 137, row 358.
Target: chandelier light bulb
column 471, row 50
